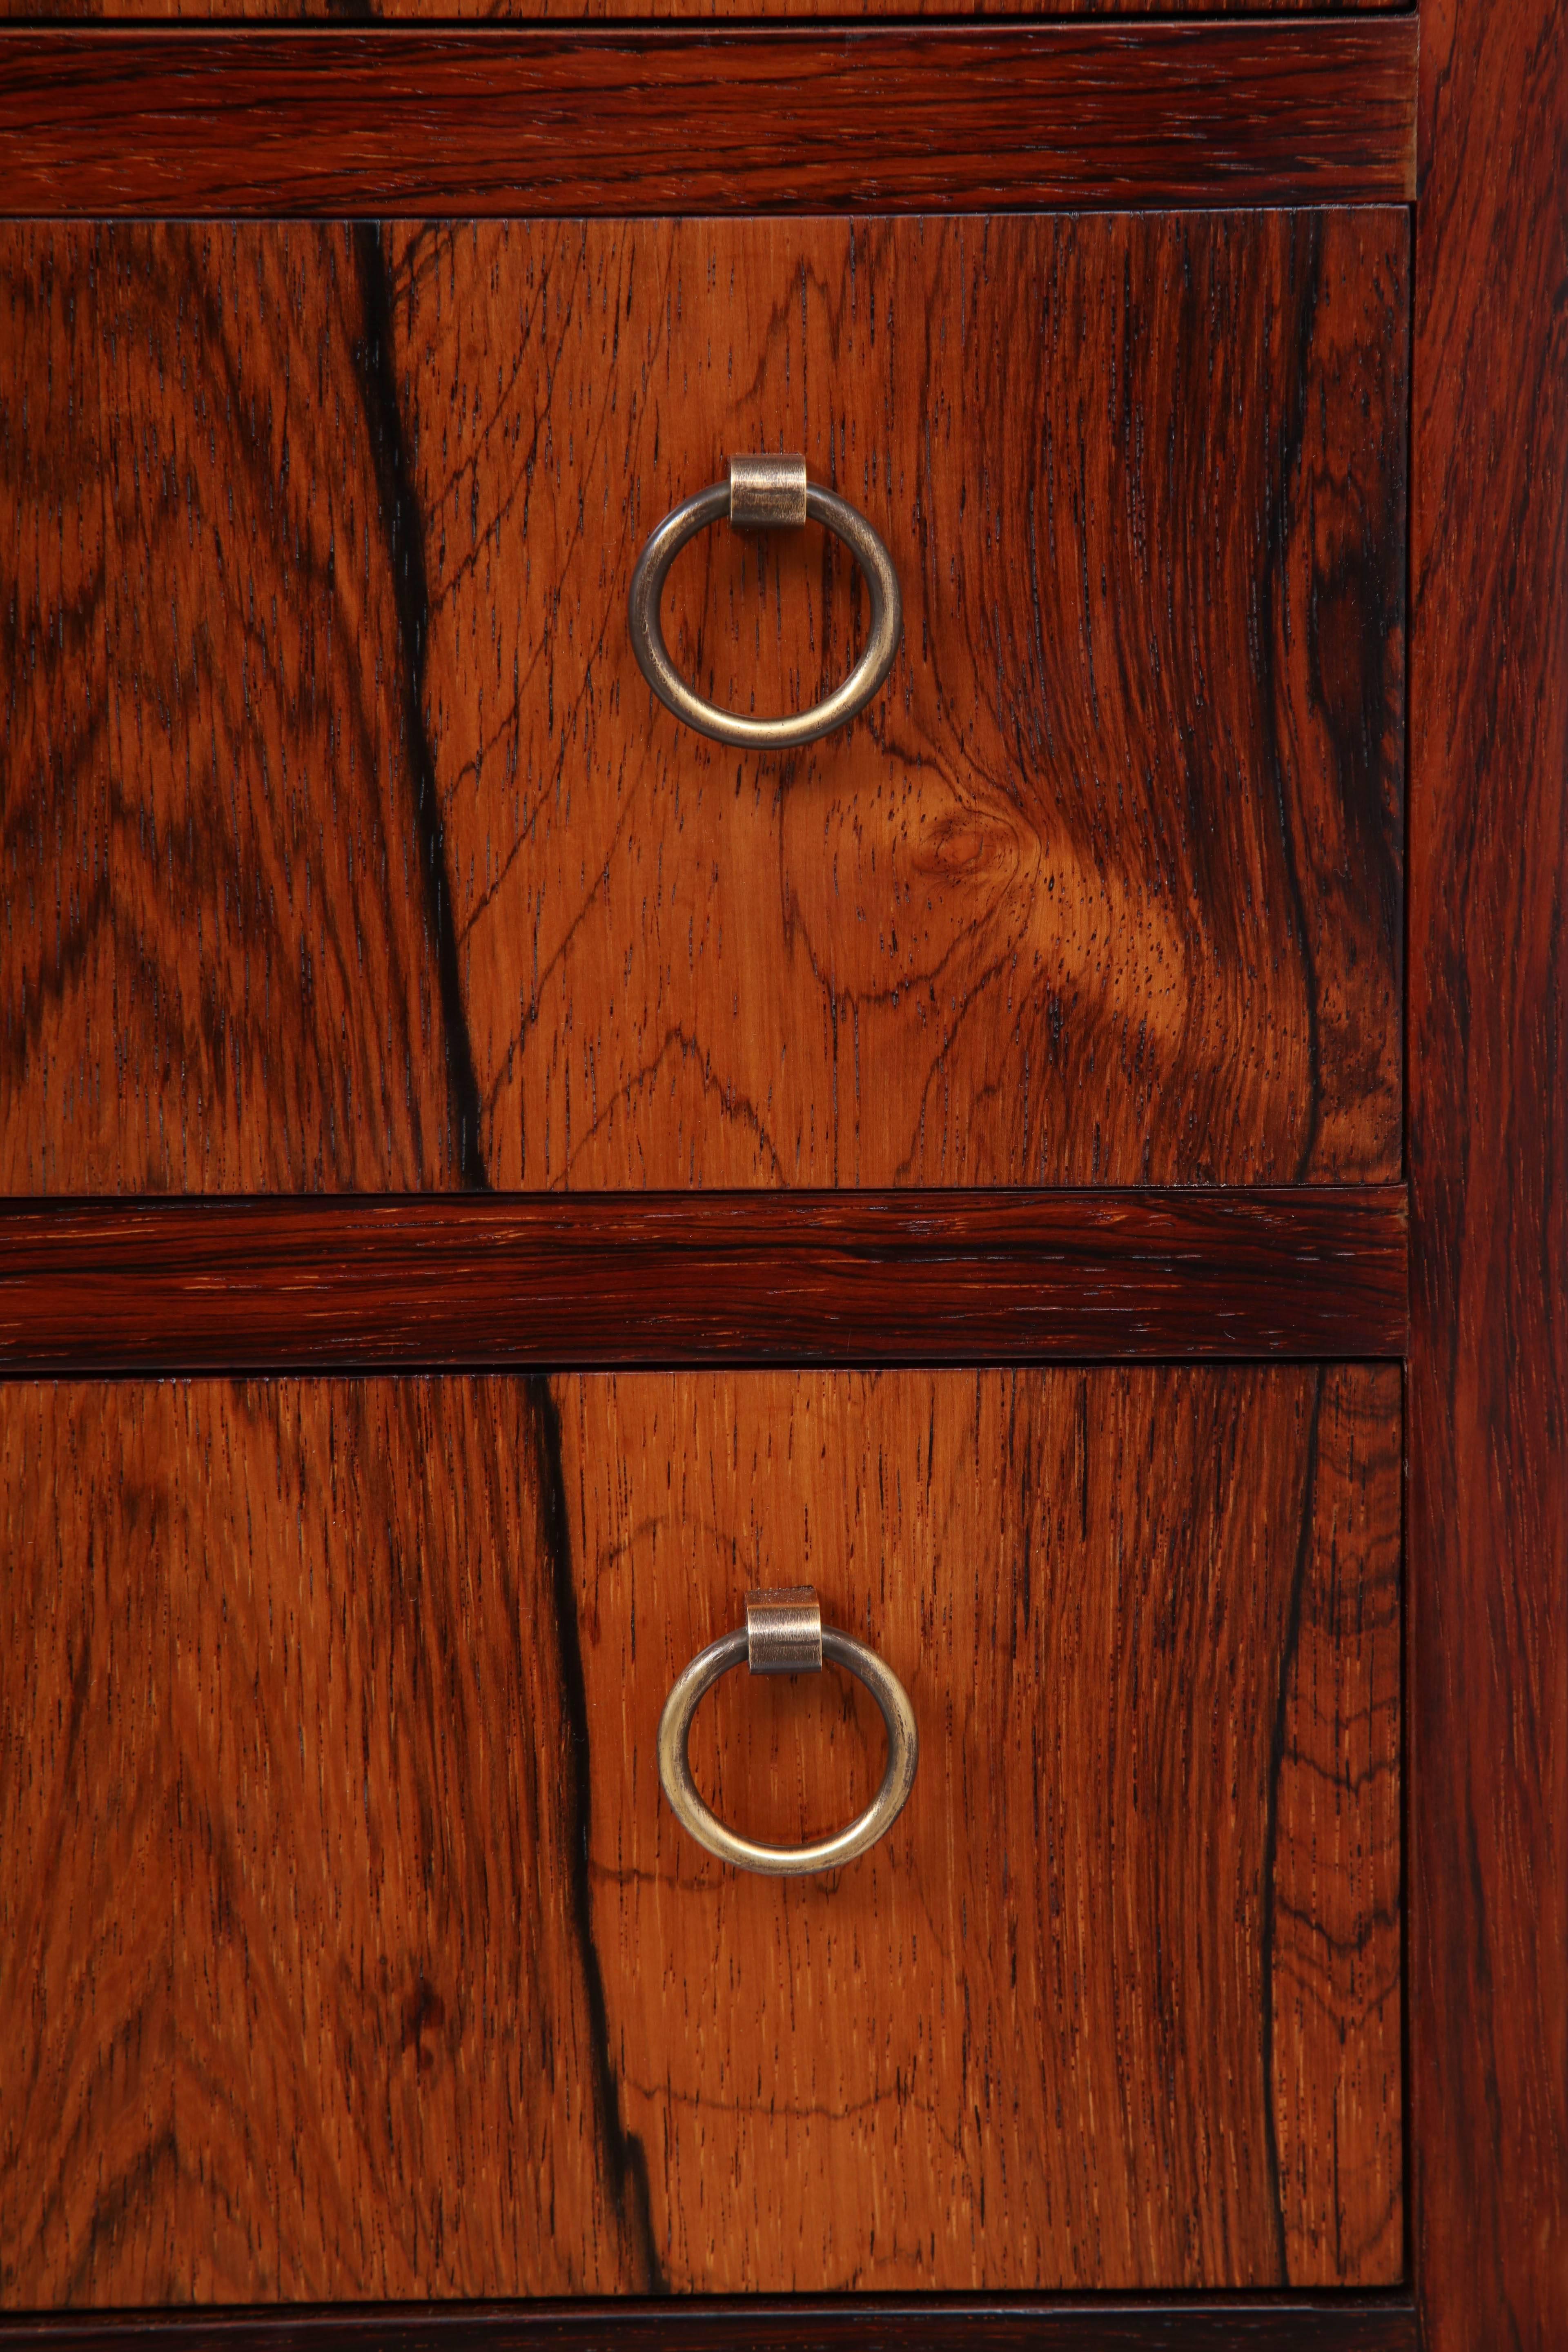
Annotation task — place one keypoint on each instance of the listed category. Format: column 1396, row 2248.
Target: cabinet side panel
column 1489, row 1180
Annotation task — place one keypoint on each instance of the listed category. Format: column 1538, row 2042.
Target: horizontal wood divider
column 581, row 1280
column 331, row 120
column 924, row 2324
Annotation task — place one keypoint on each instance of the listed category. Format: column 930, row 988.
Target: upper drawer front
column 345, row 846
column 348, row 1947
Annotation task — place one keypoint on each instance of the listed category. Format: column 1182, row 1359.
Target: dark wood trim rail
column 301, row 121
column 739, row 1278
column 870, row 2323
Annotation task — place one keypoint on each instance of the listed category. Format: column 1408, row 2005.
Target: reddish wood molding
column 926, row 2324
column 580, row 1280
column 1488, row 1527
column 490, row 120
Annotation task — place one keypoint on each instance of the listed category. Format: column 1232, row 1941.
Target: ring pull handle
column 765, row 494
column 784, row 1634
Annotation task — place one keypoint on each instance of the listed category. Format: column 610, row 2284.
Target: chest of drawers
column 494, row 1175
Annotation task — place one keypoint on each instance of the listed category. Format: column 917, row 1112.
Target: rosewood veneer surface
column 100, row 120
column 668, row 12
column 348, row 1949
column 348, row 850
column 578, row 1279
column 1488, row 1163
column 961, row 116
column 1276, row 2323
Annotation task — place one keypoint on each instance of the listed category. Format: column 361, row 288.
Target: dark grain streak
column 1286, row 489
column 1288, row 1648
column 626, row 2158
column 403, row 522
column 403, row 525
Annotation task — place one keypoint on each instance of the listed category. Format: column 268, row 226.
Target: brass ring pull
column 784, row 1634
column 765, row 494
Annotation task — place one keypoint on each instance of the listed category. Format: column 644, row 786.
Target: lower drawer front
column 349, row 1949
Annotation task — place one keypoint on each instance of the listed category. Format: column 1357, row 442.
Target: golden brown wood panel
column 214, row 962
column 1026, row 2042
column 292, row 1998
column 347, row 1948
column 345, row 846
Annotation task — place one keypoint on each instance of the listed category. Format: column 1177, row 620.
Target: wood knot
column 424, row 2009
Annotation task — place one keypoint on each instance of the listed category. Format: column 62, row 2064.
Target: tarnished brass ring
column 710, row 506
column 824, row 1853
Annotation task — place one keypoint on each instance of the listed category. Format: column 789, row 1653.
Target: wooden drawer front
column 349, row 1949
column 346, row 847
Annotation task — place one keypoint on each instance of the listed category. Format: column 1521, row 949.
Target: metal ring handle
column 818, row 504
column 824, row 1853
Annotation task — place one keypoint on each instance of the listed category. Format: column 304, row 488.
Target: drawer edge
column 581, row 1281
column 770, row 2325
column 486, row 120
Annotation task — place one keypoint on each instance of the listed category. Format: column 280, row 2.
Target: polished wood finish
column 331, row 120
column 714, row 2324
column 792, row 2324
column 280, row 1285
column 644, row 12
column 206, row 751
column 349, row 850
column 295, row 1994
column 1489, row 1162
column 347, row 1948
column 1115, row 1599
column 1334, row 1947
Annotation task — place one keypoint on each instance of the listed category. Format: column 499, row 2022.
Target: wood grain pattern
column 1050, row 2068
column 280, row 1285
column 642, row 11
column 334, row 121
column 1488, row 1156
column 369, row 1961
column 795, row 2324
column 350, row 849
column 1336, row 1943
column 216, row 967
column 294, row 2002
